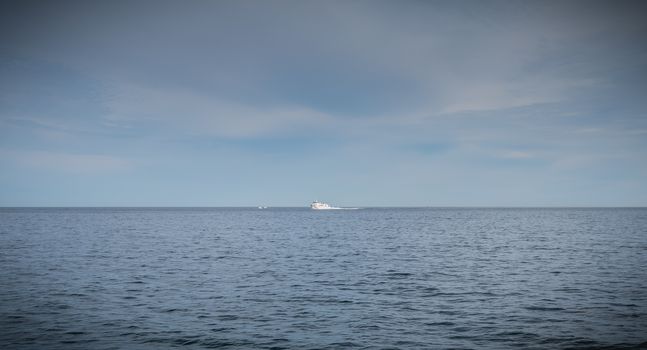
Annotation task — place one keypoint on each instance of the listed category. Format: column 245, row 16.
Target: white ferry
column 317, row 205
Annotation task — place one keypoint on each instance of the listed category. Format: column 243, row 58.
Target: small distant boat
column 262, row 207
column 321, row 206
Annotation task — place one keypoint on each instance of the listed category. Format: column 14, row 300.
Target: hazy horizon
column 363, row 103
column 307, row 207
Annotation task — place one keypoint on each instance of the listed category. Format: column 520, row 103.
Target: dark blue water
column 302, row 279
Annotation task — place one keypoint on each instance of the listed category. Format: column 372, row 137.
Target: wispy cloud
column 483, row 96
column 68, row 162
column 517, row 155
column 197, row 113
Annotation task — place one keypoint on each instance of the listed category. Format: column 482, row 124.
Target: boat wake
column 338, row 208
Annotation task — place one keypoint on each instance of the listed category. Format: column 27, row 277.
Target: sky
column 357, row 103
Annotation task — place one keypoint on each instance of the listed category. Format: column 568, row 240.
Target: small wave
column 175, row 310
column 441, row 323
column 544, row 308
column 75, row 333
column 227, row 317
column 219, row 344
column 346, row 344
column 393, row 274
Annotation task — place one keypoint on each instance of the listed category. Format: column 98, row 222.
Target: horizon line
column 307, row 207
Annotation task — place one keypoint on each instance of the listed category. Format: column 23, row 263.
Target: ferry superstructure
column 317, row 205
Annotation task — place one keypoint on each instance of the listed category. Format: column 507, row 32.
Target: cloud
column 68, row 162
column 516, row 155
column 354, row 58
column 480, row 96
column 197, row 113
column 491, row 97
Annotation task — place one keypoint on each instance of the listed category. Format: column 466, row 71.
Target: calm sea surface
column 293, row 278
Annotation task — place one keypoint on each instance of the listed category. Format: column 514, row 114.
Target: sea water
column 295, row 278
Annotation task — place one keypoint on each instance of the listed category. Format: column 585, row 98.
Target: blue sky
column 359, row 103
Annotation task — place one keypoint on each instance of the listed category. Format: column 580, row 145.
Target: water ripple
column 202, row 278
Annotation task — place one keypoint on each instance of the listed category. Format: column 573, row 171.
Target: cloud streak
column 68, row 162
column 206, row 115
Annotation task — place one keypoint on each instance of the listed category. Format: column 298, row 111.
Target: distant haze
column 357, row 103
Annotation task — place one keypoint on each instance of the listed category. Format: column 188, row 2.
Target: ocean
column 295, row 278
